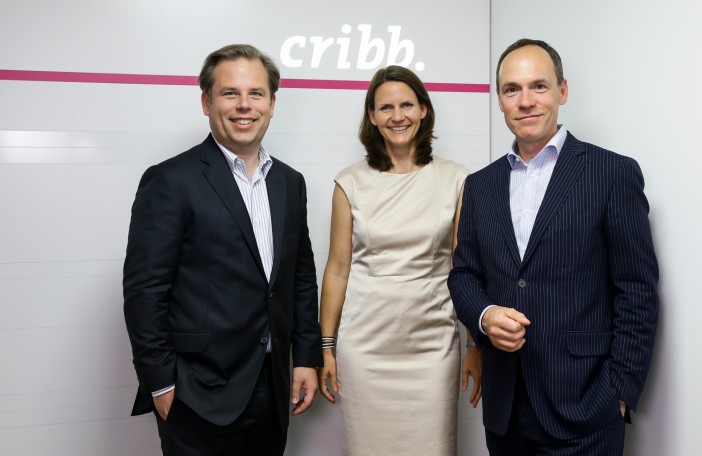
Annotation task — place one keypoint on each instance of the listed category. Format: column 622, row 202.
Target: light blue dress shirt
column 527, row 187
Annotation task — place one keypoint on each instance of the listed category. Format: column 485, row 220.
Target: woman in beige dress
column 390, row 337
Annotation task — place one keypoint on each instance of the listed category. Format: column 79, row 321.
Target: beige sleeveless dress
column 398, row 354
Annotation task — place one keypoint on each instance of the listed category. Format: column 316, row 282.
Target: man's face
column 240, row 105
column 529, row 97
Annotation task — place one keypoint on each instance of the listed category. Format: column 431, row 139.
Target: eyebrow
column 543, row 81
column 508, row 84
column 399, row 102
column 236, row 89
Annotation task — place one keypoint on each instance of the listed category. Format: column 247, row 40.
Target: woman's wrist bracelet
column 328, row 342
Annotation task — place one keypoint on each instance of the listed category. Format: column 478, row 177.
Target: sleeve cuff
column 162, row 391
column 480, row 321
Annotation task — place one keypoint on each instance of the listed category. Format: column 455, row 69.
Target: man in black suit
column 555, row 275
column 219, row 277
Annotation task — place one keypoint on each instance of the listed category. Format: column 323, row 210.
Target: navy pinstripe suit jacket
column 587, row 283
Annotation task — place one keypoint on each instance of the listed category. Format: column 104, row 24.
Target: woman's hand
column 328, row 372
column 472, row 366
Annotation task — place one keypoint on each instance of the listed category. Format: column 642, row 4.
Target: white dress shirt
column 255, row 194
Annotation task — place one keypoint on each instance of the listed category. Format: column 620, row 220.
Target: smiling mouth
column 242, row 121
column 402, row 128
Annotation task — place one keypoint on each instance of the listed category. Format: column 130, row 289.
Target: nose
column 397, row 114
column 242, row 103
column 526, row 99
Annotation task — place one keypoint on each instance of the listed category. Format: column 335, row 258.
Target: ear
column 371, row 114
column 272, row 105
column 423, row 111
column 564, row 92
column 205, row 100
column 499, row 101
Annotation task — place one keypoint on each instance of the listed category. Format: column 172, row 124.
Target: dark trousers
column 256, row 432
column 526, row 437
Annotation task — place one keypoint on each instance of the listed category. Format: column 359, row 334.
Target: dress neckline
column 406, row 174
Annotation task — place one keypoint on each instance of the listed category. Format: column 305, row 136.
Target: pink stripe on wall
column 448, row 87
column 155, row 79
column 106, row 78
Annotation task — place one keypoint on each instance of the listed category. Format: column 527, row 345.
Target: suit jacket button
column 270, row 295
column 264, row 340
column 522, row 283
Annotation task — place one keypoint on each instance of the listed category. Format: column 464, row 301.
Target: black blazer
column 198, row 307
column 587, row 283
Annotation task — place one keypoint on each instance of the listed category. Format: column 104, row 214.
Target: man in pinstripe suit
column 555, row 275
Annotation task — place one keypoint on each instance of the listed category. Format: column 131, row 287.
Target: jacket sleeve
column 307, row 338
column 634, row 275
column 153, row 248
column 466, row 280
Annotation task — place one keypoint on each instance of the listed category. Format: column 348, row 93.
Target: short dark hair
column 369, row 134
column 555, row 58
column 235, row 52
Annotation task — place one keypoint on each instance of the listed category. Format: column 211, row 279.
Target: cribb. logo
column 371, row 52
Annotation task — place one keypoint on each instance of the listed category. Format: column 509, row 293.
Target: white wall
column 632, row 68
column 71, row 155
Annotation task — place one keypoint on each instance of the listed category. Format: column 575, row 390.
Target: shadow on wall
column 657, row 399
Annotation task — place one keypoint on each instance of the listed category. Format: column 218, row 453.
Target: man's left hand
column 304, row 378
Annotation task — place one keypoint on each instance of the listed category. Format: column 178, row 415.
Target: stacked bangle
column 328, row 342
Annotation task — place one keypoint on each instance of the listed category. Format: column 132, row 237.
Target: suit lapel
column 568, row 167
column 277, row 202
column 219, row 175
column 504, row 215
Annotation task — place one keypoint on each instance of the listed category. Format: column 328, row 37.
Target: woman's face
column 397, row 114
